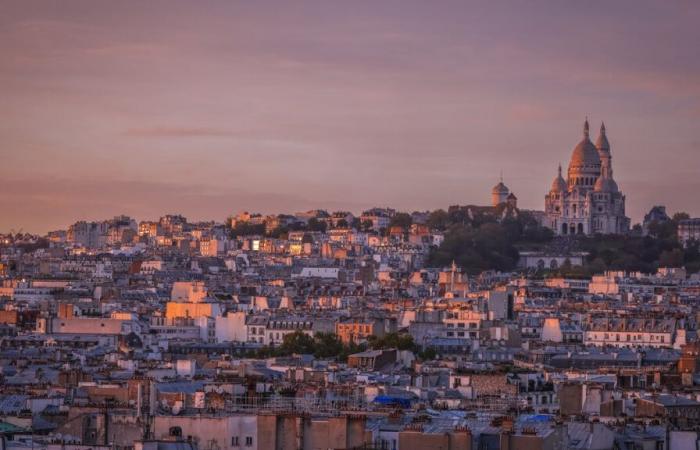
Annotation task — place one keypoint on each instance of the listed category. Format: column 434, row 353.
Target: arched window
column 580, row 228
column 553, row 264
column 175, row 431
column 564, row 228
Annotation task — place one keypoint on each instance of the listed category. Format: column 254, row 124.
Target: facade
column 688, row 230
column 544, row 260
column 632, row 332
column 656, row 214
column 588, row 201
column 358, row 330
column 500, row 194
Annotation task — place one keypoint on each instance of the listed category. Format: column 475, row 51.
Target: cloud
column 177, row 132
column 53, row 203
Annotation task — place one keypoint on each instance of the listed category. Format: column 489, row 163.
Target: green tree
column 327, row 345
column 400, row 341
column 297, row 342
column 671, row 258
column 403, row 220
column 438, row 220
column 316, row 225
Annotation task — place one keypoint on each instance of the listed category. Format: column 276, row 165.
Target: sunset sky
column 210, row 108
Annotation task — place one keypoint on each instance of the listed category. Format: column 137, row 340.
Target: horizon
column 214, row 108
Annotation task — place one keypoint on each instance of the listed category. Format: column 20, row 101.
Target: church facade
column 588, row 201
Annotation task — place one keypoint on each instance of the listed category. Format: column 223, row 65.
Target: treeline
column 480, row 239
column 329, row 346
column 638, row 252
column 247, row 228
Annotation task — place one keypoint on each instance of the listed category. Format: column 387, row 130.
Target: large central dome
column 585, row 163
column 585, row 154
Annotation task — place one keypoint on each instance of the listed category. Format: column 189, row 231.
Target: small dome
column 500, row 188
column 559, row 184
column 605, row 184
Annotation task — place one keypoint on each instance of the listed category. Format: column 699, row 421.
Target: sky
column 209, row 108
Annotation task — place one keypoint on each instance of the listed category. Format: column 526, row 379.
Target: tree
column 297, row 342
column 428, row 354
column 437, row 220
column 671, row 258
column 246, row 229
column 392, row 340
column 681, row 215
column 403, row 220
column 316, row 225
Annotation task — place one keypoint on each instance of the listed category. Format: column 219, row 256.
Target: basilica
column 588, row 201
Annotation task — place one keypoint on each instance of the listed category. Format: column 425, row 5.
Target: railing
column 278, row 403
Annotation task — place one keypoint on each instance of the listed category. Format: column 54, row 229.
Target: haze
column 211, row 108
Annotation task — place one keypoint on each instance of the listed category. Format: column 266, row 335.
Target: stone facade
column 588, row 201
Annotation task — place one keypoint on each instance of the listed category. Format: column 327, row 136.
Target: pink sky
column 210, row 108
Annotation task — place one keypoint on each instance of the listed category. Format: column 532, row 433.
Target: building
column 359, row 330
column 545, row 260
column 500, row 194
column 588, row 201
column 688, row 230
column 630, row 332
column 680, row 411
column 656, row 215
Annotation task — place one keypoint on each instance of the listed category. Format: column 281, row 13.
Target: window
column 248, row 441
column 234, row 441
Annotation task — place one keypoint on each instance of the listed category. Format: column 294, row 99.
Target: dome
column 500, row 188
column 559, row 184
column 585, row 154
column 605, row 184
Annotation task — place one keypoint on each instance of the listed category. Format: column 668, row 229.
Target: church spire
column 585, row 128
column 602, row 143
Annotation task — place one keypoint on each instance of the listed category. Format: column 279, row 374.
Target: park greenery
column 491, row 241
column 481, row 238
column 329, row 346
